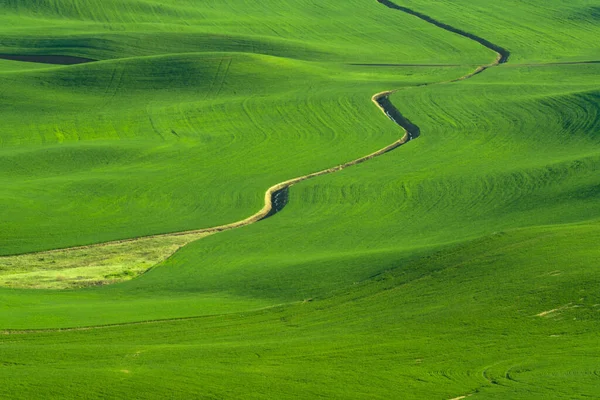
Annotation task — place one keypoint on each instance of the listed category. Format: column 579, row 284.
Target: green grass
column 462, row 263
column 456, row 322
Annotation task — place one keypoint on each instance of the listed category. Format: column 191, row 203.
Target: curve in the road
column 503, row 54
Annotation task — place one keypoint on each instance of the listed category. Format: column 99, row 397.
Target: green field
column 463, row 263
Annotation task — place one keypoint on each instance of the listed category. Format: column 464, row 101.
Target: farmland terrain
column 445, row 245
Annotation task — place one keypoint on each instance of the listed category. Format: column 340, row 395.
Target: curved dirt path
column 276, row 196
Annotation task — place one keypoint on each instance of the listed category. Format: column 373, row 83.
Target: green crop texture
column 462, row 264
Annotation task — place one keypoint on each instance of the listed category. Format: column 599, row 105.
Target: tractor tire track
column 7, row 332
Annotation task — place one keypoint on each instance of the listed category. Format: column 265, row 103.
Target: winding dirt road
column 276, row 197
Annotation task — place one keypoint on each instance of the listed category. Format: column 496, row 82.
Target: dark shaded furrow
column 412, row 130
column 47, row 59
column 279, row 199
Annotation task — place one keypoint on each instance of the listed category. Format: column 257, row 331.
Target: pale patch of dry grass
column 90, row 265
